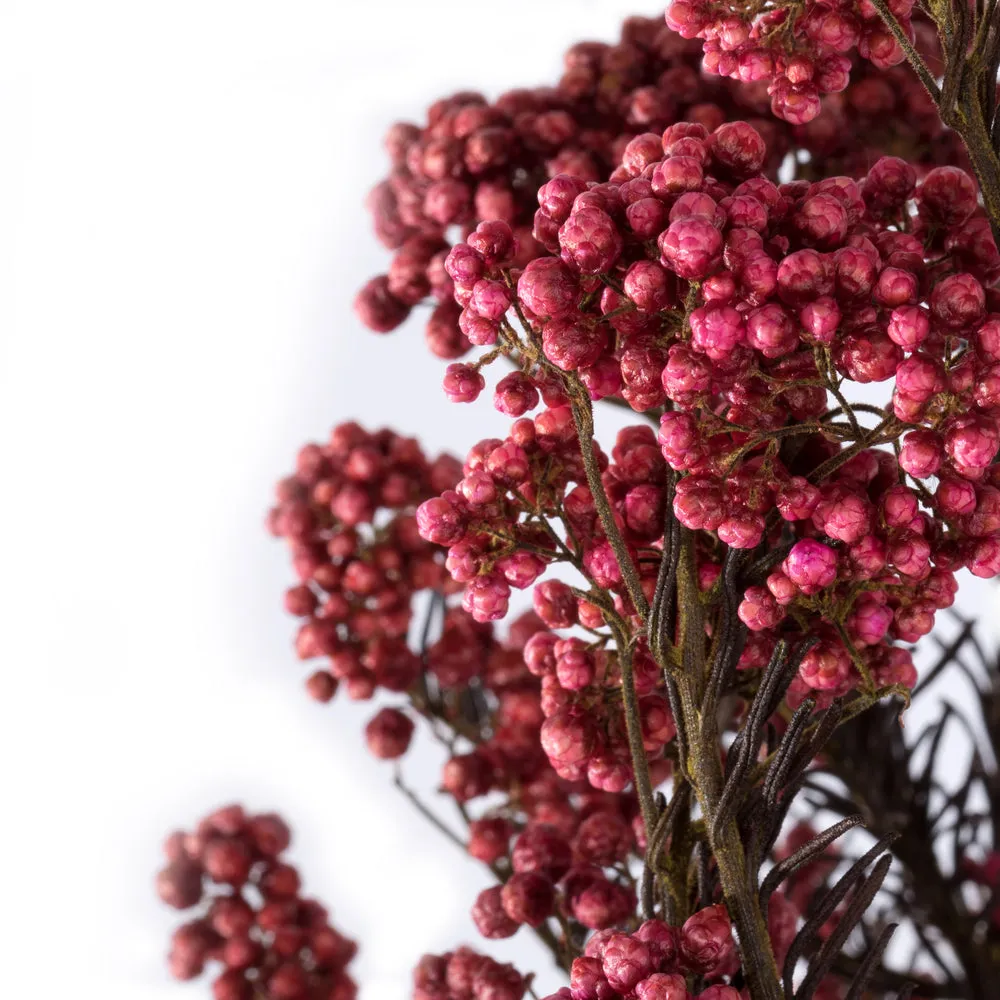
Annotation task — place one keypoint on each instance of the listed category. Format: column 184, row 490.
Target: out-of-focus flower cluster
column 252, row 925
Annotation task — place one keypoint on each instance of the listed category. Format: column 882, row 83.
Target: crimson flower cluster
column 745, row 311
column 347, row 514
column 464, row 974
column 253, row 924
column 800, row 55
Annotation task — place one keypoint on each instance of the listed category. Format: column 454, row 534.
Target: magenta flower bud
column 921, row 453
column 477, row 329
column 575, row 670
column 555, row 604
column 796, row 104
column 958, row 301
column 739, row 148
column 759, row 610
column 658, row 726
column 571, row 342
column 490, row 299
column 644, row 510
column 811, row 566
column 984, row 560
column 515, row 395
column 527, row 898
column 489, row 916
column 586, row 980
column 541, row 848
column 677, row 174
column 797, row 499
column 869, row 620
column 508, row 463
column 686, row 373
column 625, row 961
column 706, row 938
column 868, row 557
column 556, row 197
column 700, row 204
column 478, row 488
column 687, row 17
column 602, row 904
column 947, row 196
column 717, row 991
column 521, row 569
column 742, row 531
column 488, row 839
column 910, row 553
column 641, row 152
column 717, row 330
column 568, row 740
column 486, row 597
column 438, row 521
column 908, row 327
column 821, row 319
column 699, row 504
column 602, row 566
column 179, row 884
column 971, row 442
column 548, row 287
column 914, row 620
column 464, row 265
column 647, row 217
column 987, row 339
column 378, row 308
column 679, row 440
column 895, row 288
column 826, row 667
column 462, row 383
column 662, row 986
column 899, row 506
column 856, row 273
column 847, row 518
column 388, row 734
column 690, row 247
column 955, row 497
column 781, row 588
column 771, row 331
column 648, row 286
column 539, row 655
column 590, row 243
column 494, row 241
column 661, row 939
column 802, row 277
column 919, row 377
column 467, row 776
column 821, row 221
column 608, row 773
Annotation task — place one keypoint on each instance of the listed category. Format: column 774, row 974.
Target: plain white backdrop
column 181, row 235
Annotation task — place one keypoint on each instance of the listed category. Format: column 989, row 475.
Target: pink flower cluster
column 347, row 514
column 464, row 974
column 565, row 868
column 269, row 942
column 653, row 963
column 800, row 55
column 759, row 303
column 480, row 160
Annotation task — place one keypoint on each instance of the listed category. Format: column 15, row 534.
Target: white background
column 181, row 235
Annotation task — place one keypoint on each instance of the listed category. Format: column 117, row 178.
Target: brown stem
column 704, row 766
column 583, row 417
column 633, row 728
